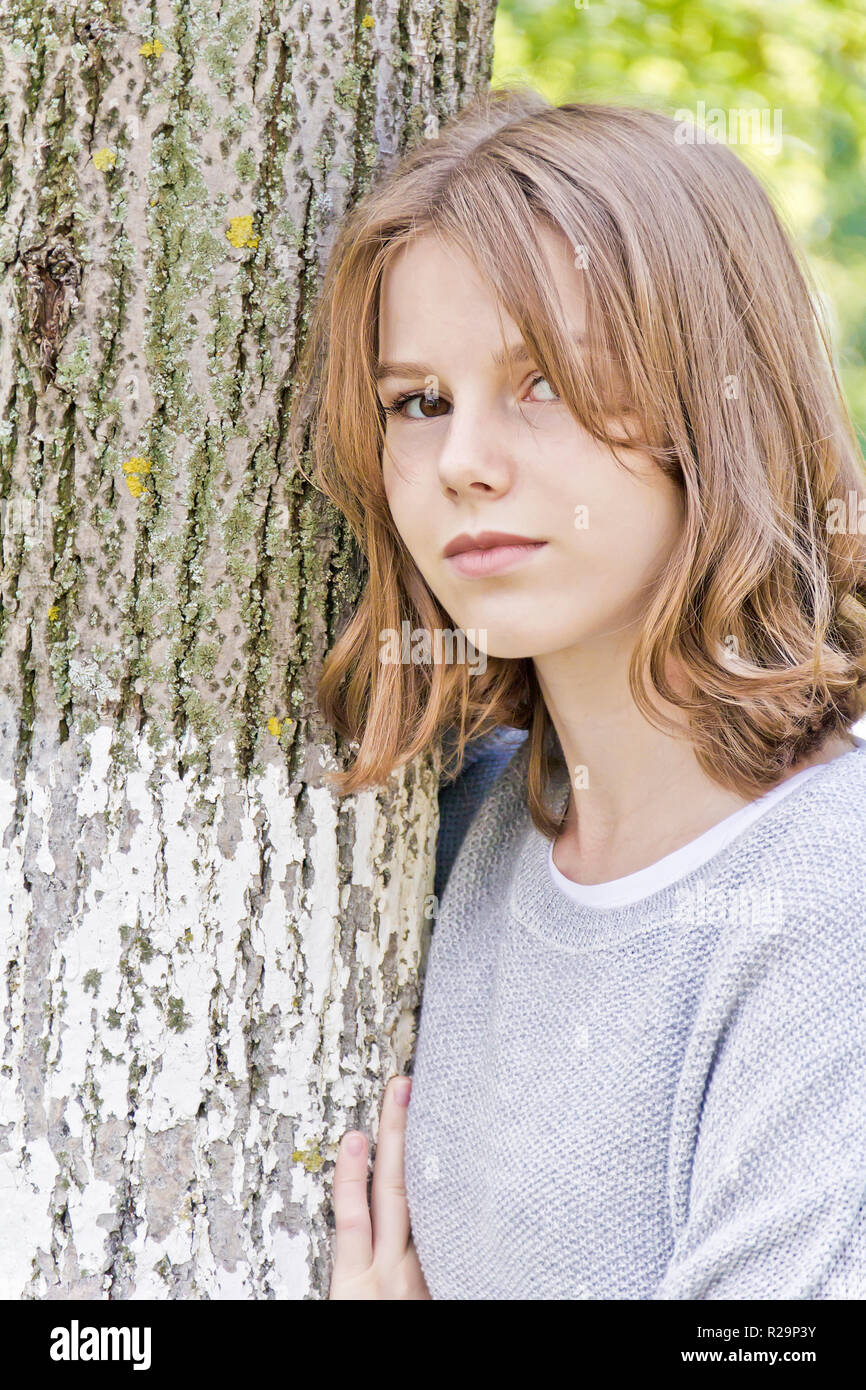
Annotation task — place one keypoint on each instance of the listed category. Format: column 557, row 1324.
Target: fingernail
column 404, row 1089
column 355, row 1143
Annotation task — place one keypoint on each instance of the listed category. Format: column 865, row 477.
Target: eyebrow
column 518, row 352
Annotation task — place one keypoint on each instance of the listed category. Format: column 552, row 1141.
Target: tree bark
column 209, row 964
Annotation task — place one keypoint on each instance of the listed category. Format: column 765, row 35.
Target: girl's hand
column 378, row 1261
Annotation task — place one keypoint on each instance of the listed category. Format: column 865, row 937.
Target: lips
column 485, row 540
column 489, row 553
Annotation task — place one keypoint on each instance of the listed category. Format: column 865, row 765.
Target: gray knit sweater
column 665, row 1100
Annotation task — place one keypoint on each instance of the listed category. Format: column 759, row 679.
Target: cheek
column 388, row 463
column 410, row 487
column 397, row 492
column 402, row 475
column 624, row 524
column 406, row 513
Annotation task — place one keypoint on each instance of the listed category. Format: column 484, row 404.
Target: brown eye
column 429, row 410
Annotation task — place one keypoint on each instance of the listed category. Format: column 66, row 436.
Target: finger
column 354, row 1245
column 390, row 1208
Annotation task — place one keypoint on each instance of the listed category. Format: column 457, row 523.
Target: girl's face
column 498, row 451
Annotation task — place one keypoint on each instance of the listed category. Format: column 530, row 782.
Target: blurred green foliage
column 805, row 59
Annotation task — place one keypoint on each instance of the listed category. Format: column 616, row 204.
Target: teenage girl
column 569, row 384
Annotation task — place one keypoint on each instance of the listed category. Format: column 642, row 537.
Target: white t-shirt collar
column 618, row 892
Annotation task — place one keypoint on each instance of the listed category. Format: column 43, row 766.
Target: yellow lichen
column 274, row 726
column 240, row 232
column 131, row 468
column 311, row 1158
column 53, row 612
column 105, row 159
column 151, row 49
column 368, row 22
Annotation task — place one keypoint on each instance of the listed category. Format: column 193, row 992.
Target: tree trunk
column 209, row 964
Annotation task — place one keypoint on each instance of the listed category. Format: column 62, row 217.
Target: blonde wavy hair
column 703, row 319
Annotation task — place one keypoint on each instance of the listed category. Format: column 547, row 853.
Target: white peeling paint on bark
column 183, row 1051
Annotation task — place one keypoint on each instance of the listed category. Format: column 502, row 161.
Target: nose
column 475, row 456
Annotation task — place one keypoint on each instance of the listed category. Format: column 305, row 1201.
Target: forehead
column 431, row 288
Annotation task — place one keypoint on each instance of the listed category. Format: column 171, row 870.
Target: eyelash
column 396, row 406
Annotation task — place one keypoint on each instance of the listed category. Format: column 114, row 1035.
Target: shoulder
column 460, row 800
column 819, row 833
column 485, row 811
column 795, row 886
column 779, row 997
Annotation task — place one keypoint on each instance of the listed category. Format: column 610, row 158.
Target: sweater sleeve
column 776, row 1200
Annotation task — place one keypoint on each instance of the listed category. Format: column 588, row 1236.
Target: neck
column 637, row 792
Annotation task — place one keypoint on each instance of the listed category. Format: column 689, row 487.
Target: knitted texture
column 483, row 761
column 665, row 1100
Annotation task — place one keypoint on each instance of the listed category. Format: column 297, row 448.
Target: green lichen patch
column 175, row 1017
